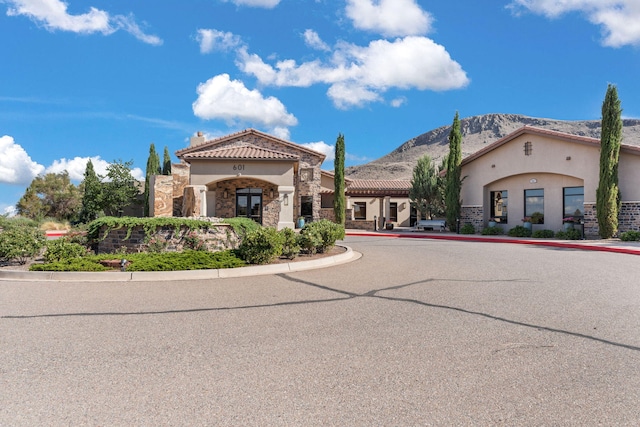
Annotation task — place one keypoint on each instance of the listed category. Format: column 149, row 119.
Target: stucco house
column 273, row 181
column 554, row 173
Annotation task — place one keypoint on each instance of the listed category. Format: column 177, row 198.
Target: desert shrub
column 73, row 264
column 62, row 249
column 630, row 236
column 261, row 246
column 21, row 243
column 326, row 231
column 543, row 234
column 242, row 225
column 290, row 245
column 520, row 231
column 11, row 222
column 571, row 234
column 467, row 229
column 492, row 231
column 157, row 245
column 537, row 218
column 309, row 242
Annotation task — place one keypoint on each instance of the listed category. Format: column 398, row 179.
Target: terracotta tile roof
column 247, row 132
column 379, row 184
column 249, row 152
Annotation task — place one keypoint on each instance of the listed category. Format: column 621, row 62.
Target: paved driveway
column 416, row 332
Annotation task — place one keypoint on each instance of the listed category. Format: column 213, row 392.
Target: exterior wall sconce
column 225, row 194
column 493, row 166
column 568, row 157
column 285, row 199
column 271, row 193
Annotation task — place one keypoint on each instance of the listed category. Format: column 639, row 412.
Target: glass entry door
column 249, row 203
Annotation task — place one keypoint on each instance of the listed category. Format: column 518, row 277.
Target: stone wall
column 217, row 237
column 473, row 215
column 629, row 217
column 359, row 225
column 327, row 213
column 180, row 175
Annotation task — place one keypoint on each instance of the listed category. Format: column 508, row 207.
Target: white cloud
column 267, row 4
column 76, row 166
column 322, row 147
column 313, row 40
column 619, row 19
column 211, row 40
column 358, row 75
column 229, row 100
column 53, row 15
column 16, row 167
column 10, row 211
column 389, row 17
column 398, row 102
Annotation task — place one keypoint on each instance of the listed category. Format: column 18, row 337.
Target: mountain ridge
column 477, row 132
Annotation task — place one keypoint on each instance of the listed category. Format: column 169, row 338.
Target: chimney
column 197, row 140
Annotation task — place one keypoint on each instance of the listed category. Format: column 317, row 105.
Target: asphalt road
column 416, row 332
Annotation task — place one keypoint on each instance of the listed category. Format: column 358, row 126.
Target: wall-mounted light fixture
column 285, row 199
column 568, row 157
column 493, row 166
column 271, row 193
column 225, row 194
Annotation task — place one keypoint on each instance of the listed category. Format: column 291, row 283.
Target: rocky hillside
column 477, row 132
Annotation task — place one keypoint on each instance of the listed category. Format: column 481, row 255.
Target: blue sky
column 101, row 79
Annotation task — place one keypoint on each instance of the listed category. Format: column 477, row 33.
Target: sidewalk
column 604, row 245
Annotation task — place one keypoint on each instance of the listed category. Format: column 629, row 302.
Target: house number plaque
column 239, row 167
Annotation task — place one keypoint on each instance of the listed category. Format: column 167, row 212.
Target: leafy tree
column 453, row 179
column 52, row 195
column 338, row 179
column 166, row 162
column 153, row 168
column 607, row 194
column 92, row 194
column 424, row 194
column 120, row 190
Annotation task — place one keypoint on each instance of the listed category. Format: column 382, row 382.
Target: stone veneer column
column 286, row 220
column 194, row 201
column 161, row 196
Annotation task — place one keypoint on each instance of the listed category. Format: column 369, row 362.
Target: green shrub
column 571, row 234
column 328, row 233
column 157, row 244
column 290, row 246
column 261, row 246
column 63, row 249
column 492, row 231
column 12, row 222
column 74, row 264
column 242, row 225
column 467, row 228
column 148, row 224
column 630, row 236
column 520, row 231
column 543, row 234
column 168, row 261
column 21, row 243
column 187, row 260
column 309, row 241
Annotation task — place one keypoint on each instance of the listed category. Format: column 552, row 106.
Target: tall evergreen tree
column 424, row 193
column 607, row 194
column 453, row 178
column 153, row 168
column 338, row 180
column 91, row 194
column 166, row 162
column 120, row 190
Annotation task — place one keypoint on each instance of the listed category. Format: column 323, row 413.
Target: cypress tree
column 424, row 193
column 338, row 180
column 166, row 162
column 453, row 179
column 607, row 194
column 153, row 168
column 92, row 194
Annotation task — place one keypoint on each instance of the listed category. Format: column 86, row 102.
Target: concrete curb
column 468, row 238
column 156, row 276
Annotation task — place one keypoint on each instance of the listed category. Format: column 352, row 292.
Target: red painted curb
column 581, row 246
